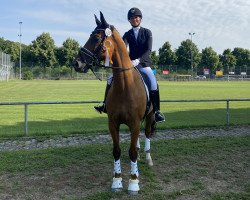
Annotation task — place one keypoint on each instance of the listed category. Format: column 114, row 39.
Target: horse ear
column 97, row 21
column 103, row 21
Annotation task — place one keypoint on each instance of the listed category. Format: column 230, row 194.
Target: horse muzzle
column 80, row 66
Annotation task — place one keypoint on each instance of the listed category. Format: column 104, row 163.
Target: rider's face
column 135, row 21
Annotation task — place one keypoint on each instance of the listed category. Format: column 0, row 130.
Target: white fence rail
column 26, row 104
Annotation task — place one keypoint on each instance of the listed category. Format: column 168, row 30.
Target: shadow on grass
column 95, row 125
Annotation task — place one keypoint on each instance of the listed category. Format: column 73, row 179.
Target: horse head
column 94, row 51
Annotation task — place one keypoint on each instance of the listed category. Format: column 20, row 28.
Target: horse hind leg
column 138, row 147
column 147, row 150
column 149, row 131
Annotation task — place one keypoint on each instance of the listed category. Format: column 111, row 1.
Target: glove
column 135, row 62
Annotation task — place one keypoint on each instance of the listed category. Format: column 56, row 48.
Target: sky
column 219, row 24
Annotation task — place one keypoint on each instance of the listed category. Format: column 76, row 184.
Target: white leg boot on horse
column 117, row 181
column 147, row 150
column 133, row 186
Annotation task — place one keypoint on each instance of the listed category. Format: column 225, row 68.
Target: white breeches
column 147, row 75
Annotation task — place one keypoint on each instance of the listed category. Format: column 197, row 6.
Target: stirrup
column 159, row 117
column 100, row 109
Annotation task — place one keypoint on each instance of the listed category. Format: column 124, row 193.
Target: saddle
column 146, row 86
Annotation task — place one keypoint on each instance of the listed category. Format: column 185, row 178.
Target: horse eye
column 96, row 39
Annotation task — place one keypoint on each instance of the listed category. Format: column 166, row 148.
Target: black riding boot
column 155, row 99
column 102, row 108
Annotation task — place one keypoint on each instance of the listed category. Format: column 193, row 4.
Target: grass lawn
column 205, row 168
column 81, row 119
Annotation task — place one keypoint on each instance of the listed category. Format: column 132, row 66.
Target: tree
column 61, row 60
column 2, row 44
column 183, row 54
column 14, row 51
column 69, row 51
column 28, row 57
column 242, row 59
column 166, row 55
column 11, row 48
column 43, row 49
column 227, row 60
column 209, row 58
column 154, row 58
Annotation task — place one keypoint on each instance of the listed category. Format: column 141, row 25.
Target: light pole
column 191, row 50
column 20, row 52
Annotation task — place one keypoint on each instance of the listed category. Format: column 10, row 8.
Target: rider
column 139, row 40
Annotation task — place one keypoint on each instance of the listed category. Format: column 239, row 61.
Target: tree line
column 187, row 57
column 42, row 55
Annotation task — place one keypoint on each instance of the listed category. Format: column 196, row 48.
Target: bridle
column 91, row 58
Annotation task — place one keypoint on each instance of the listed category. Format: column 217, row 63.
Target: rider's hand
column 135, row 62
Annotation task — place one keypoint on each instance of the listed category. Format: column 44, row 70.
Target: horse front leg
column 133, row 187
column 117, row 179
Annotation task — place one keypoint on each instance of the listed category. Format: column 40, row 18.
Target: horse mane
column 120, row 44
column 117, row 37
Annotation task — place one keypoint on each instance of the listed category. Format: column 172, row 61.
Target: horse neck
column 121, row 60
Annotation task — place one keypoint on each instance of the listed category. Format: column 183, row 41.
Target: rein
column 120, row 68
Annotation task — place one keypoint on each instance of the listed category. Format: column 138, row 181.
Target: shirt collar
column 135, row 29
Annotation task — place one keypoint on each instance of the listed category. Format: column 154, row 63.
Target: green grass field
column 82, row 119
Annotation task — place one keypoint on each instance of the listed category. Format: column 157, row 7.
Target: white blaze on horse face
column 147, row 145
column 117, row 167
column 134, row 169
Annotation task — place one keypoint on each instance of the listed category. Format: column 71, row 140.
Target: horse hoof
column 133, row 193
column 116, row 189
column 133, row 187
column 116, row 185
column 150, row 162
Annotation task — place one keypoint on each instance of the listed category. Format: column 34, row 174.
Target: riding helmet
column 134, row 12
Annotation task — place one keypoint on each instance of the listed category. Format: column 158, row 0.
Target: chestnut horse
column 126, row 100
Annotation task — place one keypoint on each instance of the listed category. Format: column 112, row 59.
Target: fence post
column 26, row 119
column 228, row 114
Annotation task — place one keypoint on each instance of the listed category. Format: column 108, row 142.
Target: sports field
column 82, row 119
column 213, row 168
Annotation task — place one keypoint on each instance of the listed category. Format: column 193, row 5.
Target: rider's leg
column 153, row 92
column 155, row 98
column 102, row 108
